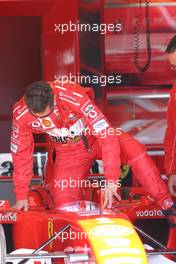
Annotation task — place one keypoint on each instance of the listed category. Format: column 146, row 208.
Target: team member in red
column 63, row 112
column 79, row 132
column 170, row 135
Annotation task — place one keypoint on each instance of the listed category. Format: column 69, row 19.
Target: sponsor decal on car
column 115, row 242
column 114, row 229
column 50, row 230
column 149, row 213
column 10, row 218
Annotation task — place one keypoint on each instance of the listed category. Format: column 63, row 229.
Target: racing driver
column 78, row 132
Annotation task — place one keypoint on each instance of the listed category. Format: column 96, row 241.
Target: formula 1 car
column 84, row 232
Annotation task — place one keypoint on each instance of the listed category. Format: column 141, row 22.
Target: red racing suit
column 74, row 111
column 170, row 135
column 79, row 133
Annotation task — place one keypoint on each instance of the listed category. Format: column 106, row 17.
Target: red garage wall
column 19, row 65
column 60, row 52
column 31, row 49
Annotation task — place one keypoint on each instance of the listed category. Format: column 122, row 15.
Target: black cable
column 137, row 38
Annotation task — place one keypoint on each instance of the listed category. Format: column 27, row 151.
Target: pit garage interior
column 127, row 67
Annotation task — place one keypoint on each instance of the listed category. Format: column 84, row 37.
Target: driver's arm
column 22, row 146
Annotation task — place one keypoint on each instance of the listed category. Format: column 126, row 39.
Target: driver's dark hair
column 171, row 47
column 38, row 96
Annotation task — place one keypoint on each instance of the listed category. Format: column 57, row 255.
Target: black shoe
column 171, row 215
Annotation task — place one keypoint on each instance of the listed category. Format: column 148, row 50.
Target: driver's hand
column 19, row 205
column 110, row 191
column 172, row 184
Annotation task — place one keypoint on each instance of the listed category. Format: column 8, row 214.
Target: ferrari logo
column 50, row 230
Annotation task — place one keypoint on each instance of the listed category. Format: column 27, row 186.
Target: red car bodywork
column 32, row 228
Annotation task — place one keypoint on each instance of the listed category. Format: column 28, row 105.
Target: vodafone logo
column 149, row 213
column 36, row 124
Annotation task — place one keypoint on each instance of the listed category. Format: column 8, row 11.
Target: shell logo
column 46, row 122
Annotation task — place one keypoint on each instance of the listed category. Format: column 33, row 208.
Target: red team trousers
column 72, row 165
